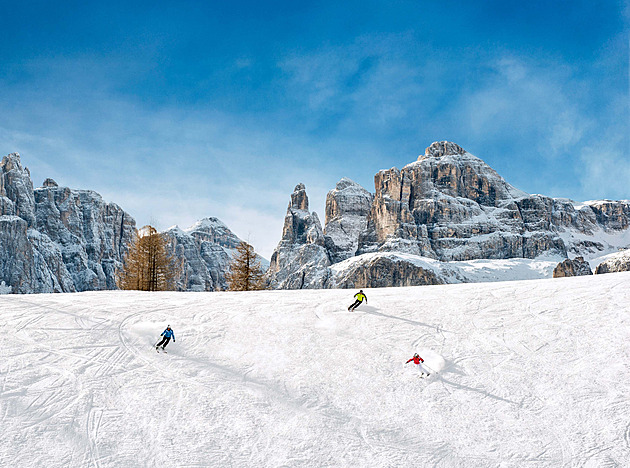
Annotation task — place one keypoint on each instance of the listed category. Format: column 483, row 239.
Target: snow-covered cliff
column 54, row 239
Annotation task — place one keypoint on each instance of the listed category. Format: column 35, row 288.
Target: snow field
column 532, row 373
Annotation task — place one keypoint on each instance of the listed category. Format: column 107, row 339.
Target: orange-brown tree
column 148, row 265
column 246, row 273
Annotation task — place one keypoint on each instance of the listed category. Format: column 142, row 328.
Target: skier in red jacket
column 418, row 360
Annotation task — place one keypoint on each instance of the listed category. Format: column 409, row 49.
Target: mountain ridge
column 450, row 206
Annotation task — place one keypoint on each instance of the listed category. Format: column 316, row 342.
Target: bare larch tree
column 148, row 265
column 246, row 273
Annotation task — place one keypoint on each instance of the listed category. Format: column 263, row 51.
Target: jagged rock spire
column 299, row 199
column 300, row 260
column 16, row 189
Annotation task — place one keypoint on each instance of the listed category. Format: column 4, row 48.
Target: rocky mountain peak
column 301, row 259
column 57, row 240
column 345, row 182
column 50, row 183
column 16, row 189
column 12, row 161
column 208, row 224
column 214, row 230
column 299, row 199
column 442, row 148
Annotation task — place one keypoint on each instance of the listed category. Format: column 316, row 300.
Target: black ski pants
column 356, row 304
column 163, row 343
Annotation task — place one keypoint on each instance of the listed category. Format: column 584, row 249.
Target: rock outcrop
column 55, row 239
column 16, row 190
column 301, row 259
column 615, row 263
column 380, row 271
column 572, row 267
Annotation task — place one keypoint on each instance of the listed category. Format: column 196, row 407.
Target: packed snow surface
column 531, row 374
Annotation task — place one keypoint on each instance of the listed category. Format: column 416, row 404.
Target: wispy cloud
column 536, row 104
column 166, row 166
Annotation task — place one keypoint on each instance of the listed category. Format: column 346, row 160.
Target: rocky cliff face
column 347, row 209
column 380, row 271
column 575, row 267
column 54, row 239
column 301, row 259
column 450, row 206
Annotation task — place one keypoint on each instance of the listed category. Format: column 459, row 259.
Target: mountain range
column 446, row 218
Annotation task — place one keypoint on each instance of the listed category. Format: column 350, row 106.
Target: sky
column 182, row 110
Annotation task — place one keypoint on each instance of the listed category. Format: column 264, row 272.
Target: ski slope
column 532, row 374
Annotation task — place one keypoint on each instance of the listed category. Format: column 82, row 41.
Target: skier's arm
column 173, row 337
column 409, row 361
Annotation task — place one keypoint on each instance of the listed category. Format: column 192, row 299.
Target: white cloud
column 606, row 172
column 536, row 103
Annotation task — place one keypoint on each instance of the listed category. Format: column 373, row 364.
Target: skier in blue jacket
column 167, row 334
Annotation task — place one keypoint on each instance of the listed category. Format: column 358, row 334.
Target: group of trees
column 149, row 265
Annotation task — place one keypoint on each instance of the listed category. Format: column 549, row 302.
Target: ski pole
column 427, row 366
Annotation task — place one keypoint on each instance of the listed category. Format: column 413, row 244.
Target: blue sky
column 181, row 110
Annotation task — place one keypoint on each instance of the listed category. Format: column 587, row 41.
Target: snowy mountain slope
column 533, row 373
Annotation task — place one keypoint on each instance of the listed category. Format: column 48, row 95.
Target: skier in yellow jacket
column 360, row 297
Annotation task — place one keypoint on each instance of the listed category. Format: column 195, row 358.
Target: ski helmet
column 416, row 355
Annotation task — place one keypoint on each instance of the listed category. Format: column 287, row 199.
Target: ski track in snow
column 530, row 373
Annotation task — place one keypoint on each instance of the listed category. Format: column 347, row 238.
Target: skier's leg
column 166, row 340
column 160, row 343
